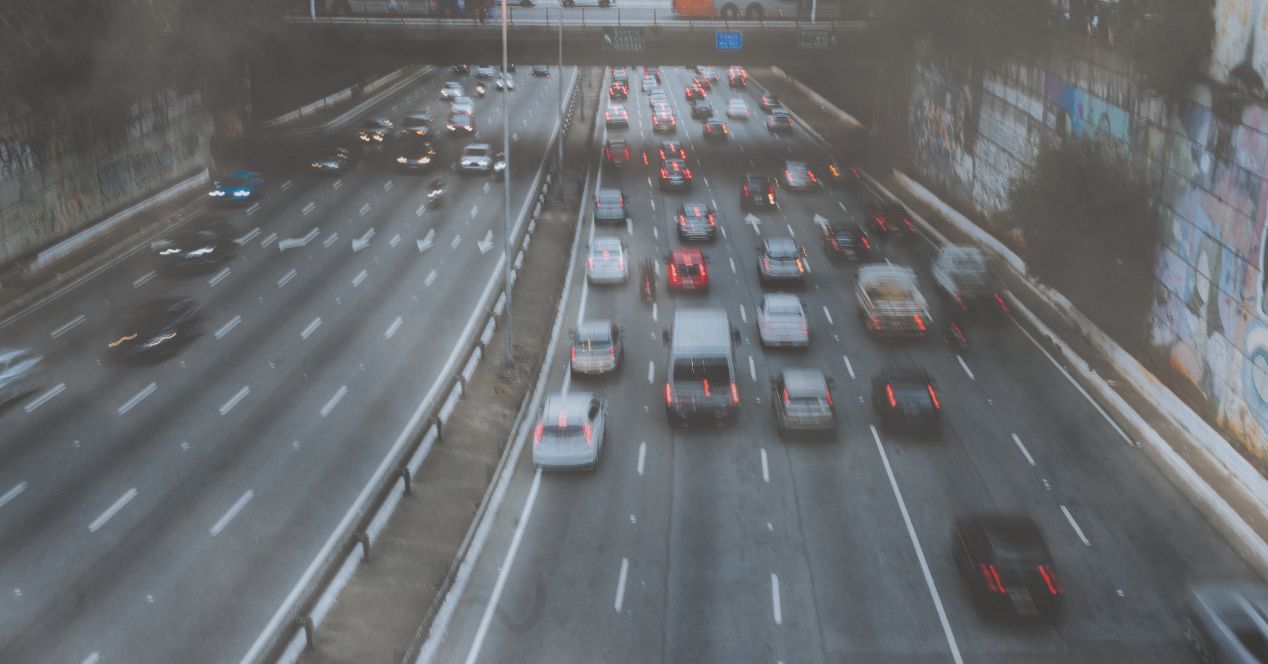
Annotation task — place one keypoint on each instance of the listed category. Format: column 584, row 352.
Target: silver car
column 505, row 82
column 20, row 373
column 570, row 432
column 606, row 262
column 476, row 158
column 736, row 108
column 462, row 105
column 1225, row 622
column 596, row 348
column 782, row 322
column 452, row 89
column 802, row 399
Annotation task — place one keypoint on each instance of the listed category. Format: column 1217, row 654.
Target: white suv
column 476, row 158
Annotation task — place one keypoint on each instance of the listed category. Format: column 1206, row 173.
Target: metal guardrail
column 297, row 634
column 419, row 15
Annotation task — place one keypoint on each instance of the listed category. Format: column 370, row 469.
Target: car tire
column 729, row 11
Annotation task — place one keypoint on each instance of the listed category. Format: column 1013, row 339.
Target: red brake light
column 920, row 323
column 669, row 393
column 909, row 226
column 787, row 400
column 735, row 394
column 706, row 388
column 664, row 173
column 766, row 264
column 673, row 274
column 537, row 433
column 587, row 432
column 1002, row 304
column 991, row 576
column 612, row 352
column 574, row 353
column 1050, row 579
column 590, row 263
column 627, row 154
column 644, row 158
column 889, row 393
column 934, row 397
column 866, row 244
column 686, row 173
column 746, row 189
column 828, row 393
column 704, row 272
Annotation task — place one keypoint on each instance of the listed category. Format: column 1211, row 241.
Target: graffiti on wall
column 939, row 121
column 1080, row 113
column 1239, row 51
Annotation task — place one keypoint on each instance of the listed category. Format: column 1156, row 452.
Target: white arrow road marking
column 298, row 242
column 486, row 244
column 753, row 221
column 251, row 235
column 821, row 220
column 426, row 243
column 362, row 242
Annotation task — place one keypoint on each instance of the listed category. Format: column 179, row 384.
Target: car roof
column 615, row 142
column 687, row 254
column 595, row 329
column 608, row 193
column 694, row 208
column 678, row 163
column 606, row 242
column 570, row 402
column 1015, row 532
column 909, row 375
column 804, row 382
column 478, row 146
column 758, row 177
column 780, row 244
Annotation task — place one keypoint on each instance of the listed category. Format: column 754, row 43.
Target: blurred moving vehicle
column 686, row 270
column 194, row 250
column 737, row 108
column 664, row 122
column 802, row 399
column 674, row 174
column 596, row 348
column 499, row 166
column 1225, row 622
column 462, row 105
column 702, row 83
column 694, row 92
column 415, row 154
column 156, row 330
column 848, row 241
column 504, row 82
column 610, row 206
column 569, row 434
column 701, row 381
column 757, row 192
column 616, row 117
column 701, row 109
column 781, row 321
column 780, row 260
column 672, row 149
column 240, row 187
column 650, row 83
column 540, row 71
column 907, row 398
column 716, row 130
column 798, row 176
column 374, row 130
column 606, row 262
column 779, row 122
column 618, row 91
column 697, row 222
column 1005, row 561
column 485, row 71
column 451, row 90
column 737, row 77
column 963, row 277
column 889, row 219
column 21, row 373
column 656, row 98
column 461, row 124
column 461, row 69
column 769, row 103
column 616, row 151
column 890, row 302
column 336, row 161
column 417, row 124
column 849, row 178
column 476, row 158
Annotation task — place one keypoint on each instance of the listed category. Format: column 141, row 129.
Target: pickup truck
column 890, row 303
column 965, row 280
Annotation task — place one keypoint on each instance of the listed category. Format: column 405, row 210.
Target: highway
column 734, row 545
column 163, row 513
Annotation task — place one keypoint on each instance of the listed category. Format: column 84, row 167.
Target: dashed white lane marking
column 620, row 584
column 1075, row 525
column 765, row 467
column 67, row 326
column 642, row 456
column 723, row 229
column 309, row 208
column 475, row 209
column 356, row 281
column 286, row 185
column 227, row 327
column 396, row 239
column 44, row 398
column 457, row 239
column 774, row 598
column 848, row 367
column 421, row 209
column 137, row 398
column 334, row 401
column 828, row 314
column 143, row 279
column 219, row 277
column 234, row 400
column 655, row 233
column 387, row 186
column 92, row 658
column 431, row 276
column 791, row 232
column 653, row 202
column 1025, row 452
column 752, row 369
column 391, row 329
column 654, row 312
column 365, row 207
column 336, row 184
column 920, row 552
column 312, row 327
column 251, row 235
column 732, row 261
column 16, row 491
column 286, row 278
column 743, row 314
column 105, row 516
column 806, row 262
column 330, row 239
column 651, row 372
column 255, row 207
column 268, row 240
column 233, row 511
column 964, row 365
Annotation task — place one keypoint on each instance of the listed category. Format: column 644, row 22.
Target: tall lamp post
column 506, row 189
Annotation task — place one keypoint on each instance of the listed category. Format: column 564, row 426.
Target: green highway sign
column 623, row 39
column 818, row 39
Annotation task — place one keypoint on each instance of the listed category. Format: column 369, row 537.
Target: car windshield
column 785, row 250
column 783, row 309
column 476, row 152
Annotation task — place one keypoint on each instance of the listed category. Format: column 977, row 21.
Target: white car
column 462, row 105
column 606, row 262
column 781, row 321
column 736, row 108
column 485, row 71
column 476, row 158
column 452, row 89
column 570, row 432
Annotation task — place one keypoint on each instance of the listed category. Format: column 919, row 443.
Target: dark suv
column 757, row 192
column 609, row 206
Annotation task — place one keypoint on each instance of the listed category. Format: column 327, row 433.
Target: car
column 736, row 108
column 716, row 130
column 889, row 219
column 504, row 82
column 844, row 177
column 610, row 206
column 849, row 241
column 737, row 77
column 586, row 3
column 802, row 399
column 374, row 131
column 540, row 71
column 237, row 187
column 476, row 158
column 570, row 431
column 652, row 71
column 708, row 72
column 780, row 260
column 21, row 373
column 461, row 124
column 663, row 108
column 462, row 105
column 769, row 103
column 1005, row 562
column 650, row 83
column 757, row 192
column 907, row 398
column 195, row 250
column 596, row 348
column 674, row 174
column 672, row 149
column 485, row 71
column 798, row 176
column 692, row 92
column 616, row 151
column 616, row 117
column 618, row 90
column 1224, row 621
column 415, row 154
column 451, row 89
column 781, row 321
column 415, row 124
column 697, row 222
column 621, row 75
column 779, row 122
column 664, row 122
column 335, row 161
column 156, row 330
column 655, row 98
column 702, row 83
column 701, row 109
column 461, row 69
column 499, row 166
column 605, row 263
column 686, row 270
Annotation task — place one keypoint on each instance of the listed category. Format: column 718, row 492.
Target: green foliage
column 1090, row 232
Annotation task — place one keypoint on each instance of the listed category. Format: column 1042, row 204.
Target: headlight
column 169, row 251
column 159, row 339
column 241, row 193
column 363, row 136
column 401, row 160
column 378, row 137
column 217, row 193
column 452, row 127
column 202, row 251
column 317, row 164
column 424, row 160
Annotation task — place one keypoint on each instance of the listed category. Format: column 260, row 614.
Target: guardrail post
column 306, row 623
column 407, row 480
column 363, row 539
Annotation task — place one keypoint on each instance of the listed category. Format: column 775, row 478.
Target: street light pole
column 506, row 188
column 561, row 87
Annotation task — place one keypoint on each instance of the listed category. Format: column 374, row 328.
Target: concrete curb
column 351, row 114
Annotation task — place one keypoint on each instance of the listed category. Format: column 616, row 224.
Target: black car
column 415, row 154
column 336, row 161
column 609, row 206
column 779, row 260
column 618, row 91
column 844, row 176
column 461, row 69
column 415, row 125
column 779, row 122
column 461, row 124
column 716, row 130
column 616, row 152
column 195, row 250
column 674, row 174
column 541, row 70
column 798, row 176
column 672, row 150
column 889, row 219
column 907, row 398
column 701, row 109
column 1005, row 561
column 757, row 192
column 156, row 330
column 697, row 222
column 847, row 242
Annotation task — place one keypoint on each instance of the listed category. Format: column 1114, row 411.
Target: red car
column 687, row 270
column 694, row 92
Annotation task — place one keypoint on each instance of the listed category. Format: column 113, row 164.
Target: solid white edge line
column 43, row 399
column 1025, row 452
column 765, row 467
column 774, row 597
column 334, row 400
column 920, row 553
column 1075, row 525
column 848, row 367
column 16, row 491
column 235, row 400
column 620, row 584
column 233, row 511
column 112, row 510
